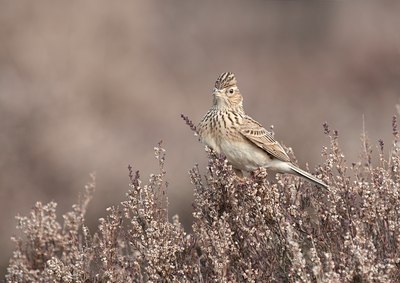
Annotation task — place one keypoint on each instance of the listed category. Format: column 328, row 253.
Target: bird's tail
column 299, row 172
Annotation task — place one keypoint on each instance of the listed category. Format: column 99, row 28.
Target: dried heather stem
column 246, row 229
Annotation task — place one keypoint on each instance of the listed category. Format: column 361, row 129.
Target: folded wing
column 254, row 132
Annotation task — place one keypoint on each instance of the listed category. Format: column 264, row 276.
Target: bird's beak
column 216, row 92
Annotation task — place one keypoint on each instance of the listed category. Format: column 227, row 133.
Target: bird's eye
column 231, row 91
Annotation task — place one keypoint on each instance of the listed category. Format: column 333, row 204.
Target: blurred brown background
column 94, row 85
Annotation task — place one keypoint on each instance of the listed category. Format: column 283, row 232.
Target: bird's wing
column 255, row 133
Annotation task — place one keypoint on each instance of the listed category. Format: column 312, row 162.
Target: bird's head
column 226, row 93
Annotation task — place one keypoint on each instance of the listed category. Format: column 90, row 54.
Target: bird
column 245, row 143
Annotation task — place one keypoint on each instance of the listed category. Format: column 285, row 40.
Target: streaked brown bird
column 246, row 144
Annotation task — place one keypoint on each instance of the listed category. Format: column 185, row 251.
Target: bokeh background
column 94, row 85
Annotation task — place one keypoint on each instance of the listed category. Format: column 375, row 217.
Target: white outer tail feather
column 301, row 173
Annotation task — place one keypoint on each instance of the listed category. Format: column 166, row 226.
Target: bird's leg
column 238, row 172
column 240, row 179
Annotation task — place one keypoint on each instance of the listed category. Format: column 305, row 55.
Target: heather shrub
column 254, row 229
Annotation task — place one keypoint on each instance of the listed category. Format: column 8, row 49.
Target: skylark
column 245, row 143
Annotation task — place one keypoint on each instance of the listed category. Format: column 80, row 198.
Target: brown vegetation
column 252, row 230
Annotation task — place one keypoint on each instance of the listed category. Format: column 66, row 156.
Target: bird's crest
column 225, row 80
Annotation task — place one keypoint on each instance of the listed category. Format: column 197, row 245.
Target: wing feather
column 254, row 132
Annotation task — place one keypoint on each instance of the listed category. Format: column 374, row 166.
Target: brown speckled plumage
column 245, row 143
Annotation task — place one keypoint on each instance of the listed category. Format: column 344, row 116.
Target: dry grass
column 252, row 230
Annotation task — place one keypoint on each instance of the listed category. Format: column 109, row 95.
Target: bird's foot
column 240, row 179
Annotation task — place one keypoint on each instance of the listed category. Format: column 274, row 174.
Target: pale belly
column 242, row 155
column 245, row 156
